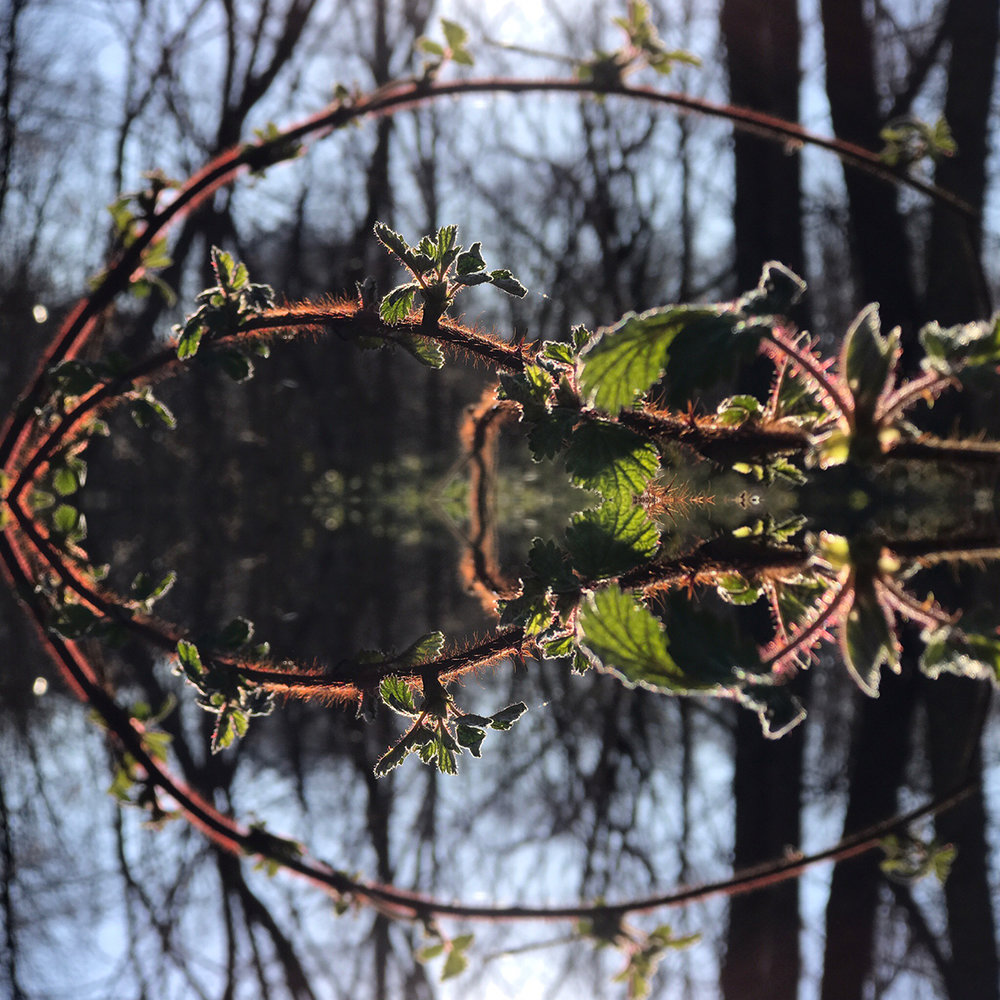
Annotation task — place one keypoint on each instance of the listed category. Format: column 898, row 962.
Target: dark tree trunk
column 762, row 52
column 956, row 293
column 762, row 45
column 881, row 747
column 880, row 244
column 762, row 959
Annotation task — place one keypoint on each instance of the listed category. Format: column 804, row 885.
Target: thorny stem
column 828, row 389
column 400, row 903
column 388, row 100
column 825, row 615
column 929, row 384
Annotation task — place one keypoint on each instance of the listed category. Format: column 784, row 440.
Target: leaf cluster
column 439, row 730
column 221, row 312
column 439, row 268
column 222, row 690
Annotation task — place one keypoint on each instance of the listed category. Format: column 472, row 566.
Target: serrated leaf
column 966, row 654
column 867, row 359
column 470, row 737
column 736, row 589
column 777, row 292
column 613, row 460
column 425, row 350
column 189, row 342
column 627, row 640
column 473, row 278
column 144, row 589
column 551, row 432
column 236, row 634
column 556, row 350
column 231, row 724
column 396, row 693
column 392, row 758
column 559, row 647
column 867, row 640
column 190, row 658
column 737, row 410
column 74, row 621
column 967, row 345
column 397, row 304
column 610, row 539
column 235, row 364
column 471, row 261
column 506, row 717
column 550, row 563
column 506, row 282
column 625, row 360
column 428, row 647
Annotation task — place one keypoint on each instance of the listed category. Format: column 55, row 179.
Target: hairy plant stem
column 387, row 100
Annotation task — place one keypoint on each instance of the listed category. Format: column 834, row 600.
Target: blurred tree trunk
column 762, row 945
column 880, row 245
column 956, row 293
column 762, row 48
column 881, row 747
column 762, row 58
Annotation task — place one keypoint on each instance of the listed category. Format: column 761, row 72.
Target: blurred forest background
column 323, row 499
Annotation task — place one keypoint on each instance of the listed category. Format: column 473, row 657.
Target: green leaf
column 736, row 589
column 235, row 364
column 551, row 432
column 966, row 654
column 628, row 358
column 189, row 341
column 949, row 349
column 66, row 519
column 506, row 717
column 611, row 539
column 428, row 647
column 867, row 359
column 627, row 640
column 557, row 648
column 190, row 658
column 146, row 411
column 66, row 481
column 556, row 350
column 397, row 304
column 429, row 46
column 231, row 724
column 550, row 563
column 430, row 951
column 392, row 758
column 471, row 261
column 738, row 410
column 236, row 634
column 506, row 282
column 425, row 350
column 396, row 693
column 145, row 591
column 74, row 621
column 470, row 737
column 777, row 292
column 454, row 965
column 454, row 34
column 613, row 460
column 867, row 640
